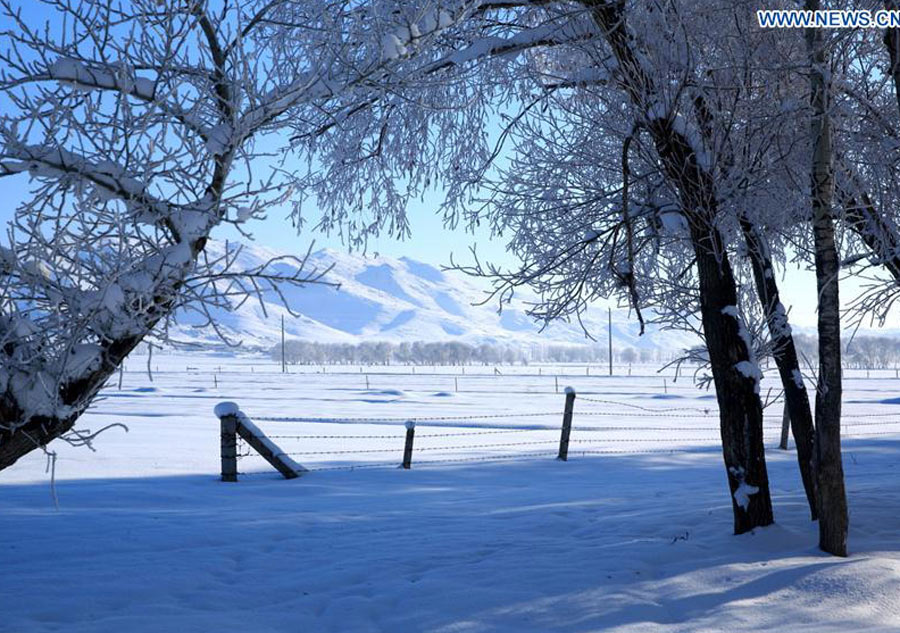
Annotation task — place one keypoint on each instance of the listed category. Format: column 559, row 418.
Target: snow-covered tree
column 611, row 187
column 644, row 150
column 143, row 126
column 831, row 498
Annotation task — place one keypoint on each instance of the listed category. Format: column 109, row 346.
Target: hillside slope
column 387, row 299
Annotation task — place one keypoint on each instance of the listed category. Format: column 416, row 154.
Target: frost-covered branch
column 140, row 132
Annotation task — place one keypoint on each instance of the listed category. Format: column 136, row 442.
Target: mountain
column 387, row 299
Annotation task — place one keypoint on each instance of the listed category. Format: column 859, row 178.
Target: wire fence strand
column 585, row 441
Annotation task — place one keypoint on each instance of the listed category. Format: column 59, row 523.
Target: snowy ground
column 622, row 537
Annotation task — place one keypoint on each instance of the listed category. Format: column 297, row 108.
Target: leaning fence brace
column 236, row 424
column 233, row 424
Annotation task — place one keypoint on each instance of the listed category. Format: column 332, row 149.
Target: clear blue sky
column 431, row 242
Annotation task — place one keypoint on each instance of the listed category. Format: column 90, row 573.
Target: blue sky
column 431, row 242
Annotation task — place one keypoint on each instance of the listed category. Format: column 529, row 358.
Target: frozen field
column 631, row 534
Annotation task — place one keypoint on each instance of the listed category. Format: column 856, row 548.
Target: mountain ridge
column 391, row 299
column 383, row 298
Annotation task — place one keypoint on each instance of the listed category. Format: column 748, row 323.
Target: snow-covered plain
column 622, row 537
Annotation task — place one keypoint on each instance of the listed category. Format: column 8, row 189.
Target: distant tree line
column 385, row 353
column 452, row 353
column 597, row 354
column 859, row 352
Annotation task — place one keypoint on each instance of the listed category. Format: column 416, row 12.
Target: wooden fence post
column 229, row 447
column 408, row 447
column 566, row 425
column 235, row 423
column 785, row 427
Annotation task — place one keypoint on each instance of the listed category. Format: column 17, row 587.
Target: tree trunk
column 832, row 500
column 796, row 399
column 38, row 431
column 735, row 374
column 737, row 392
column 786, row 359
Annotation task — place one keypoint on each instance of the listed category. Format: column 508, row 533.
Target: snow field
column 147, row 539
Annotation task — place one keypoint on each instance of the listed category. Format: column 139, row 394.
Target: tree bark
column 832, row 500
column 740, row 409
column 786, row 358
column 38, row 431
column 892, row 43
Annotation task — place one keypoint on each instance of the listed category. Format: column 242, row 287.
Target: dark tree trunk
column 832, row 500
column 740, row 409
column 797, row 401
column 38, row 431
column 892, row 43
column 77, row 394
column 786, row 359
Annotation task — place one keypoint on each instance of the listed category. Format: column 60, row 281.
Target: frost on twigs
column 136, row 144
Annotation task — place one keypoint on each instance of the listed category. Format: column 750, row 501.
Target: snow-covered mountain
column 387, row 299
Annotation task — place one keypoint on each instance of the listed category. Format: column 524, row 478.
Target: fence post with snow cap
column 235, row 423
column 566, row 425
column 408, row 447
column 229, row 446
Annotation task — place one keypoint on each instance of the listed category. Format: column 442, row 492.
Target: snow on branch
column 137, row 132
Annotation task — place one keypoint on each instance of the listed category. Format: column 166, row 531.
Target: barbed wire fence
column 425, row 441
